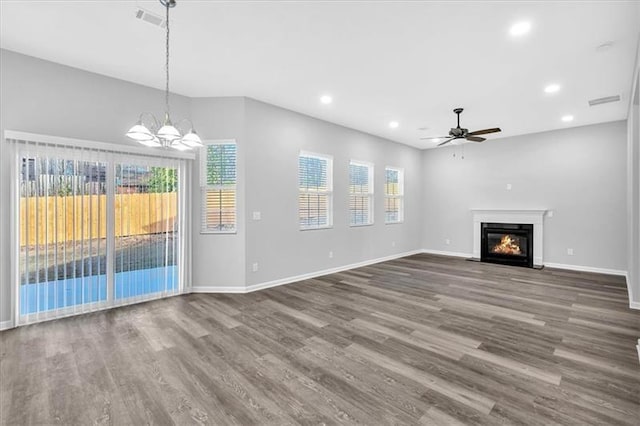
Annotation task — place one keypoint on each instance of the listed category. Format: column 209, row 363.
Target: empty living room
column 319, row 212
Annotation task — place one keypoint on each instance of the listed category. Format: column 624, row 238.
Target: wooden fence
column 51, row 220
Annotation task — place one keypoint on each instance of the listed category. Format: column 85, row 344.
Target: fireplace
column 507, row 243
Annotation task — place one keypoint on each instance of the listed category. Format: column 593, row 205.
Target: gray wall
column 633, row 190
column 43, row 97
column 579, row 173
column 219, row 259
column 275, row 138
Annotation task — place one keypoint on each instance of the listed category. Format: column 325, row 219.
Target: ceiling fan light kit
column 166, row 136
column 462, row 133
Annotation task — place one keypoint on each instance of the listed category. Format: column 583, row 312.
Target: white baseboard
column 634, row 305
column 5, row 325
column 446, row 253
column 310, row 275
column 581, row 268
column 224, row 289
column 296, row 278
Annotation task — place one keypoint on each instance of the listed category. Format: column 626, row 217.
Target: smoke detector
column 151, row 18
column 605, row 100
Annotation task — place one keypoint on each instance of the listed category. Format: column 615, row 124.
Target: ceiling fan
column 460, row 133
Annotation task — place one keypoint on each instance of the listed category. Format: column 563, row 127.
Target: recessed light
column 567, row 118
column 520, row 28
column 326, row 99
column 552, row 88
column 393, row 124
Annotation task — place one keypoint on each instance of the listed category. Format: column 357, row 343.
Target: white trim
column 632, row 303
column 369, row 195
column 532, row 216
column 5, row 325
column 581, row 268
column 399, row 197
column 310, row 275
column 104, row 146
column 205, row 187
column 302, row 277
column 328, row 193
column 447, row 253
column 223, row 289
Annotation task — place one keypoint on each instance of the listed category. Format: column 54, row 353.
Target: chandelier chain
column 166, row 92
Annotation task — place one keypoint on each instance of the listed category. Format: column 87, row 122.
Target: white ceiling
column 407, row 61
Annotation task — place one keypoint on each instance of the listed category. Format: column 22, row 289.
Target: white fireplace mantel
column 532, row 216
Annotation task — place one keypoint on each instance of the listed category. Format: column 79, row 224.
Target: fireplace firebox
column 507, row 243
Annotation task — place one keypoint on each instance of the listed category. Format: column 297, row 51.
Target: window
column 218, row 185
column 315, row 191
column 360, row 193
column 394, row 195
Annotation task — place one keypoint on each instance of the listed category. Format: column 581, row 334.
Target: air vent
column 151, row 18
column 605, row 100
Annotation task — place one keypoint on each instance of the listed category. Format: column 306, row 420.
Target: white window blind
column 394, row 195
column 315, row 185
column 360, row 193
column 96, row 229
column 218, row 172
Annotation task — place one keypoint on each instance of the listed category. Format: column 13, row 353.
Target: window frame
column 328, row 192
column 204, row 186
column 369, row 195
column 399, row 196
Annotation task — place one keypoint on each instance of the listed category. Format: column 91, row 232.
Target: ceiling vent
column 151, row 18
column 605, row 100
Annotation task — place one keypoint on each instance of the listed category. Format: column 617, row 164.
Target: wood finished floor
column 419, row 340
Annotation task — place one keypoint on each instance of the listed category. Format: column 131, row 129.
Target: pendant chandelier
column 167, row 135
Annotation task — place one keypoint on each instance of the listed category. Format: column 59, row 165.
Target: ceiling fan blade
column 475, row 139
column 447, row 141
column 484, row 132
column 435, row 137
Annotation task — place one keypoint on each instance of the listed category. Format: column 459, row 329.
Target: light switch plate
column 257, row 216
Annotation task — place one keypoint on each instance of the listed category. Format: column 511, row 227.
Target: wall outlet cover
column 257, row 216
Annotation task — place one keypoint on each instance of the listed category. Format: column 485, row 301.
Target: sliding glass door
column 62, row 233
column 96, row 230
column 146, row 230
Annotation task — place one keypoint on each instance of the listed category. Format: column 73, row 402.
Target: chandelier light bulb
column 140, row 133
column 191, row 139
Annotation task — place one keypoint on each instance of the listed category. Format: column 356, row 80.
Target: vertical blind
column 95, row 228
column 394, row 195
column 315, row 191
column 218, row 186
column 360, row 193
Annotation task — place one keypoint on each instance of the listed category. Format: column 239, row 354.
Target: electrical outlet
column 509, row 186
column 330, row 255
column 570, row 251
column 447, row 241
column 254, row 267
column 257, row 216
column 550, row 213
column 393, row 243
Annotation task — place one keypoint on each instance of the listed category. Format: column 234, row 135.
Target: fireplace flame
column 507, row 245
